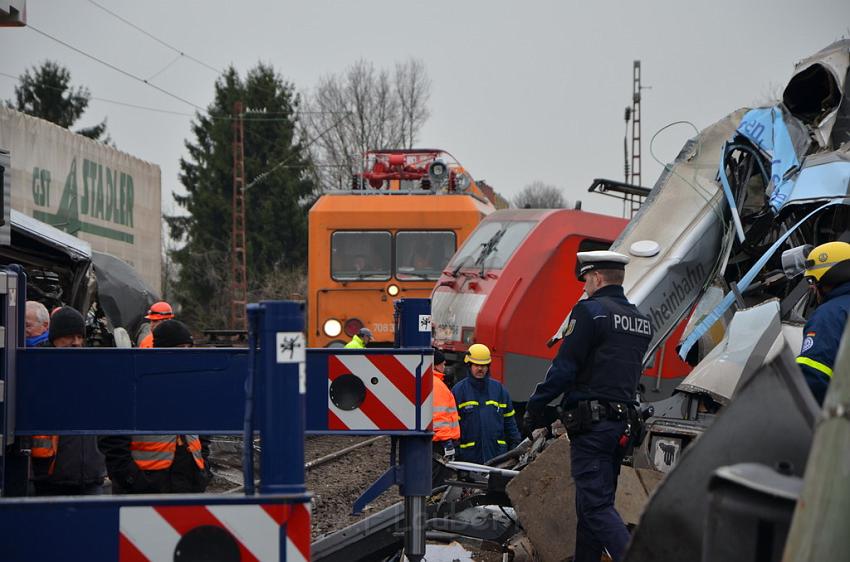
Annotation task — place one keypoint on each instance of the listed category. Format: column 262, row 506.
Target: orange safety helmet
column 160, row 311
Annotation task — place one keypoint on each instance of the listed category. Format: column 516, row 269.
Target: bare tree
column 361, row 109
column 413, row 88
column 539, row 195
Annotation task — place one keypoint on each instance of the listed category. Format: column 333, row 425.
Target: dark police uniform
column 597, row 369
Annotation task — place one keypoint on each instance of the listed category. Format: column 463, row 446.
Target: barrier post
column 284, row 388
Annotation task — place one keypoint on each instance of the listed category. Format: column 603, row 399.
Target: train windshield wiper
column 463, row 262
column 489, row 246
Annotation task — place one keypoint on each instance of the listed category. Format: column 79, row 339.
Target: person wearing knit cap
column 67, row 328
column 172, row 333
column 68, row 464
column 159, row 464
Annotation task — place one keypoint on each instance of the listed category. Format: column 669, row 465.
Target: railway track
column 338, row 469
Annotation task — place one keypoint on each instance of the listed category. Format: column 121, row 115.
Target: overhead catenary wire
column 113, row 67
column 698, row 189
column 116, row 102
column 147, row 81
column 180, row 52
column 164, row 68
column 247, row 116
column 285, row 161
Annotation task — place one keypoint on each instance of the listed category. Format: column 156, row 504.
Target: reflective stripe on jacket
column 446, row 420
column 488, row 425
column 45, row 447
column 821, row 338
column 75, row 460
column 156, row 452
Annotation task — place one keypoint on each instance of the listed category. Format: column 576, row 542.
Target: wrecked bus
column 388, row 237
column 509, row 285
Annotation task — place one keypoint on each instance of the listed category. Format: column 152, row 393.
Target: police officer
column 597, row 370
column 828, row 270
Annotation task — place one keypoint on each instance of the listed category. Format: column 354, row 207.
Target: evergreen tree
column 46, row 92
column 276, row 205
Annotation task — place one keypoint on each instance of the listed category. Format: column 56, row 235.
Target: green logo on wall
column 106, row 194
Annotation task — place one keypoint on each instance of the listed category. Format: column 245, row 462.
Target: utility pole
column 626, row 167
column 632, row 201
column 238, row 267
column 636, row 124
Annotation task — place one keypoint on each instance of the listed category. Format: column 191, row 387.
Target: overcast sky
column 521, row 91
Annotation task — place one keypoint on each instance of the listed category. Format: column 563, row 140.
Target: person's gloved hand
column 449, row 451
column 531, row 421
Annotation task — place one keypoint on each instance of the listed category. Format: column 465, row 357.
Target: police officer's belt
column 610, row 410
column 589, row 412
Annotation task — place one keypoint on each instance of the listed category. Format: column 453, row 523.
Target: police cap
column 600, row 259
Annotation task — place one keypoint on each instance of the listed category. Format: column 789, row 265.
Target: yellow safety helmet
column 479, row 354
column 829, row 264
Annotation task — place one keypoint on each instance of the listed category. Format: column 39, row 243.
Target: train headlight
column 392, row 290
column 332, row 328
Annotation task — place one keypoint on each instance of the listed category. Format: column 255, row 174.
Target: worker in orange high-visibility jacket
column 158, row 312
column 446, row 421
column 149, row 464
column 68, row 464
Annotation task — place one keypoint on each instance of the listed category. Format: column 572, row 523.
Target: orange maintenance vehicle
column 509, row 287
column 388, row 237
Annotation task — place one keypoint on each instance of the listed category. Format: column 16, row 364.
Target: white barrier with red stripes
column 266, row 532
column 390, row 402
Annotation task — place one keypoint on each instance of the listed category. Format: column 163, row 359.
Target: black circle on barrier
column 207, row 542
column 374, row 380
column 347, row 392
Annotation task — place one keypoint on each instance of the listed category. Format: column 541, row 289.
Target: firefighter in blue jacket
column 828, row 270
column 487, row 419
column 597, row 369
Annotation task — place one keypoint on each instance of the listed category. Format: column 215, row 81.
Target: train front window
column 361, row 255
column 589, row 245
column 422, row 254
column 491, row 245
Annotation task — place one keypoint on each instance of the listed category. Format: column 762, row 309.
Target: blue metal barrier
column 203, row 391
column 126, row 391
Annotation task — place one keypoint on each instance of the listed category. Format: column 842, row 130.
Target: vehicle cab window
column 361, row 255
column 423, row 254
column 492, row 245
